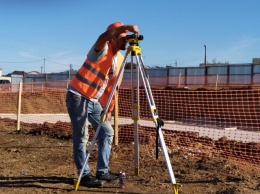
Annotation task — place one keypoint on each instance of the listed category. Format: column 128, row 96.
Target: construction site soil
column 38, row 159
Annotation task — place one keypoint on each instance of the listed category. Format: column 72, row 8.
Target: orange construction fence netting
column 206, row 123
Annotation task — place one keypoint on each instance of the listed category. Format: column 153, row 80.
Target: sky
column 51, row 35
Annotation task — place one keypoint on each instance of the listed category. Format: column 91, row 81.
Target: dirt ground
column 38, row 160
column 37, row 163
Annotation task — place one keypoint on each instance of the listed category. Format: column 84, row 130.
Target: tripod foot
column 76, row 184
column 175, row 188
column 136, row 171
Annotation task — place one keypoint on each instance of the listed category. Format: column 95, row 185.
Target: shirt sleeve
column 95, row 56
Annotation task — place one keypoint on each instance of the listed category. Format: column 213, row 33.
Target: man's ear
column 111, row 40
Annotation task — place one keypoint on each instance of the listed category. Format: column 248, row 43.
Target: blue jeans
column 82, row 110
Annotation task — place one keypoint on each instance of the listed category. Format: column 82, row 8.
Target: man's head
column 120, row 41
column 115, row 25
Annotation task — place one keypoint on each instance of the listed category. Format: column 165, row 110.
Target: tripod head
column 133, row 39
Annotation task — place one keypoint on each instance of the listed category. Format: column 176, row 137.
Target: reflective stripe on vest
column 103, row 99
column 93, row 70
column 92, row 84
column 90, row 77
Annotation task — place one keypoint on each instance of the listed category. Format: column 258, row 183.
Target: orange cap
column 115, row 25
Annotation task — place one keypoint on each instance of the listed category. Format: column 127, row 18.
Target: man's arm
column 113, row 33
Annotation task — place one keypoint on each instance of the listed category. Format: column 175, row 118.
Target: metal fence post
column 252, row 74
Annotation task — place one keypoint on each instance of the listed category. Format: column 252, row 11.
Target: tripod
column 135, row 50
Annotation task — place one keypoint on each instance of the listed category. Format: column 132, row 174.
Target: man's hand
column 109, row 116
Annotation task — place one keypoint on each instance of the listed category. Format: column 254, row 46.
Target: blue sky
column 62, row 31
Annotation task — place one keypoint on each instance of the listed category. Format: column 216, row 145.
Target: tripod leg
column 135, row 116
column 156, row 120
column 102, row 120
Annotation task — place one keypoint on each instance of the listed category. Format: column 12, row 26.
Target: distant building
column 17, row 73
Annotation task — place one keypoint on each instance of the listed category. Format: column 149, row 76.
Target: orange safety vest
column 90, row 77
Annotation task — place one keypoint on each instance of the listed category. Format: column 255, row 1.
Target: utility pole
column 206, row 68
column 44, row 65
column 205, row 56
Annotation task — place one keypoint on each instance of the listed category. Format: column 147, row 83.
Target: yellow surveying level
column 135, row 51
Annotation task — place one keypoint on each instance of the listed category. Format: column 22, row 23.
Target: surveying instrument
column 135, row 51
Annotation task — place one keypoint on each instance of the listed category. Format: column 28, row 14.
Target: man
column 88, row 92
